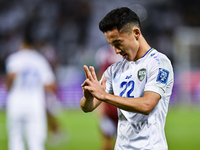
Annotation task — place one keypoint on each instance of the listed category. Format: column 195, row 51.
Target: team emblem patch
column 141, row 74
column 162, row 75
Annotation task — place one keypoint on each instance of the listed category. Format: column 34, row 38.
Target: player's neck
column 143, row 48
column 27, row 47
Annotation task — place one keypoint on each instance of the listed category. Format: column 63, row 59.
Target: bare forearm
column 142, row 105
column 88, row 105
column 51, row 87
column 9, row 80
column 9, row 85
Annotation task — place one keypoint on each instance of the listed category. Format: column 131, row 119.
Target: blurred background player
column 28, row 77
column 105, row 56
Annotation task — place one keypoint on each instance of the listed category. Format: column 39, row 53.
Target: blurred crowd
column 71, row 26
column 59, row 23
column 67, row 30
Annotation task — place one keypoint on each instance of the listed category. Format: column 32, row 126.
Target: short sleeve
column 47, row 73
column 160, row 74
column 12, row 65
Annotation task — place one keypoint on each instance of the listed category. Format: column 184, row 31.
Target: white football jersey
column 32, row 73
column 152, row 72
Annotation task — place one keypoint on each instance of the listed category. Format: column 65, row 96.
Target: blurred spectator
column 63, row 23
column 28, row 77
column 70, row 24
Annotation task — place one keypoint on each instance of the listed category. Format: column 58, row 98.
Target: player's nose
column 117, row 51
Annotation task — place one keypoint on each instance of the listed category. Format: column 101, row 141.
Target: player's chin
column 128, row 58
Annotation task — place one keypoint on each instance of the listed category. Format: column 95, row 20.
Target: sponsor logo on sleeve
column 163, row 75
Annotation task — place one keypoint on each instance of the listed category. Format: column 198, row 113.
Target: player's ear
column 136, row 32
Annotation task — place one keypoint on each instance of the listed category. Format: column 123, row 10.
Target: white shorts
column 29, row 126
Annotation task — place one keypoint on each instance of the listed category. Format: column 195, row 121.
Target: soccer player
column 142, row 84
column 28, row 76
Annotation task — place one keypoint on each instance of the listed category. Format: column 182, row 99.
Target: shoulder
column 158, row 58
column 36, row 53
column 159, row 63
column 40, row 57
column 14, row 56
column 117, row 65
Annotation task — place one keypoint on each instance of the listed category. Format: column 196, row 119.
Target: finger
column 87, row 82
column 87, row 88
column 84, row 84
column 85, row 70
column 93, row 73
column 88, row 74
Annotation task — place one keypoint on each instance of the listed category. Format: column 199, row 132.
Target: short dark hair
column 119, row 18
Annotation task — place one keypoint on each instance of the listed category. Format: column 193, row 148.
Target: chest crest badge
column 141, row 74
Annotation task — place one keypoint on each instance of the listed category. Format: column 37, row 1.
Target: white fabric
column 153, row 72
column 26, row 100
column 108, row 126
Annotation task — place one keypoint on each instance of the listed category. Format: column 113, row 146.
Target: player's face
column 125, row 44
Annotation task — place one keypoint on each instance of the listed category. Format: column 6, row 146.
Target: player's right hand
column 86, row 93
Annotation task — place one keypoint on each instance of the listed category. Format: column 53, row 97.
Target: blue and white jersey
column 153, row 72
column 33, row 72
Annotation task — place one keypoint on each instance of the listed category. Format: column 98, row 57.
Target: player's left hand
column 92, row 84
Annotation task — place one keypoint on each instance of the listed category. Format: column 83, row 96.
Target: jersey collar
column 149, row 51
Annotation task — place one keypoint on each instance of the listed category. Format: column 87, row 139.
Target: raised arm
column 88, row 102
column 88, row 105
column 142, row 105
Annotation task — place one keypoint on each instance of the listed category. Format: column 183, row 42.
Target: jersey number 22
column 127, row 88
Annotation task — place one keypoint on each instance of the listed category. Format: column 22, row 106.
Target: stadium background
column 70, row 31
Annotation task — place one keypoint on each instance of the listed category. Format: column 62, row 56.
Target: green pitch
column 183, row 128
column 80, row 131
